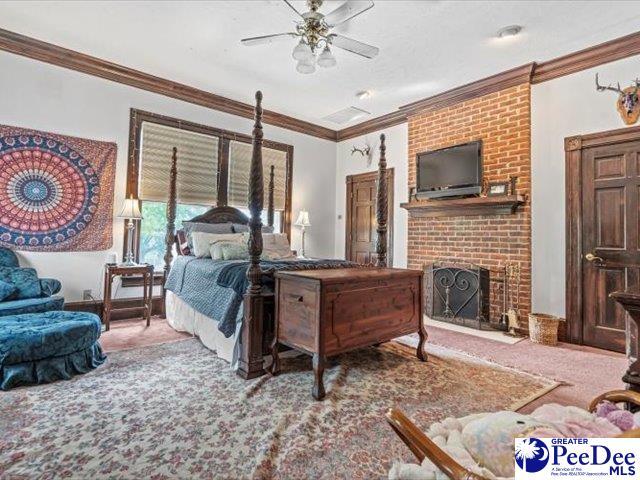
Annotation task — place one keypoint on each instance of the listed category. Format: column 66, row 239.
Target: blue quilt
column 215, row 288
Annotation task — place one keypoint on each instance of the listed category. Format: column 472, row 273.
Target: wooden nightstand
column 328, row 312
column 114, row 270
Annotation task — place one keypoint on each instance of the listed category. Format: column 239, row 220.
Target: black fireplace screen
column 458, row 294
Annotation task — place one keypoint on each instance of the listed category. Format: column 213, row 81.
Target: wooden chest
column 327, row 312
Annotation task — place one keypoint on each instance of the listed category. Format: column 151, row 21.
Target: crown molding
column 479, row 88
column 62, row 57
column 610, row 51
column 384, row 121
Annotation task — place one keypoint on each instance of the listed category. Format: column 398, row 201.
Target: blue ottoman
column 45, row 347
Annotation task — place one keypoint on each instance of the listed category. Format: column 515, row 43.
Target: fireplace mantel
column 498, row 205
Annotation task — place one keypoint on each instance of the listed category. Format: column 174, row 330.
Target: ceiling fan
column 314, row 34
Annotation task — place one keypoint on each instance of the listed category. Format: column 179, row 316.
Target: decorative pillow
column 224, row 250
column 202, row 241
column 25, row 280
column 6, row 290
column 241, row 228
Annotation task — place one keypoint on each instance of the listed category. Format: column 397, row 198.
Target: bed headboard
column 224, row 214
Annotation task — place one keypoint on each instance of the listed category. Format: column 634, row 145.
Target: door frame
column 574, row 147
column 368, row 176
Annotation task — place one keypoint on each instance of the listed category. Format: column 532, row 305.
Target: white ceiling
column 426, row 47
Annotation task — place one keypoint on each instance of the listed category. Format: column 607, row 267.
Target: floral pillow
column 6, row 290
column 25, row 280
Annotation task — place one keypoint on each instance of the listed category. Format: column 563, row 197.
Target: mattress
column 184, row 318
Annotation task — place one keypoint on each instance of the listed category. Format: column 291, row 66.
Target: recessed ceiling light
column 510, row 31
column 364, row 94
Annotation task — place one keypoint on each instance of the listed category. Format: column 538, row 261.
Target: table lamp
column 303, row 222
column 130, row 211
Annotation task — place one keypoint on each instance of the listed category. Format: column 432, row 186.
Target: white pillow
column 202, row 241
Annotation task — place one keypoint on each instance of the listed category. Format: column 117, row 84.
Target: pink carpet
column 125, row 334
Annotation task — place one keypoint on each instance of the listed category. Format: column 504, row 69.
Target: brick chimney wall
column 502, row 120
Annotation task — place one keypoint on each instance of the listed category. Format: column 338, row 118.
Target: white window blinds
column 197, row 181
column 239, row 167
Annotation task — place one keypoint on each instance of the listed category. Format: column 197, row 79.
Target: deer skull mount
column 365, row 152
column 628, row 100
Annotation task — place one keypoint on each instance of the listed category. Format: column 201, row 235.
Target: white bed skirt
column 185, row 319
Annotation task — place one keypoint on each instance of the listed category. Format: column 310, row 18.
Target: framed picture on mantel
column 497, row 189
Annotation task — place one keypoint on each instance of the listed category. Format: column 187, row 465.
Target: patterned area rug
column 176, row 411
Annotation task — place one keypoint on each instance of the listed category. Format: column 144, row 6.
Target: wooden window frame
column 136, row 119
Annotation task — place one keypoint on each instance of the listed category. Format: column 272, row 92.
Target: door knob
column 590, row 257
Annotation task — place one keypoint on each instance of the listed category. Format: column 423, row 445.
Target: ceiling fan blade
column 347, row 11
column 354, row 46
column 292, row 7
column 264, row 39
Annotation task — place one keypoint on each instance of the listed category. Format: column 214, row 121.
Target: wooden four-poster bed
column 257, row 315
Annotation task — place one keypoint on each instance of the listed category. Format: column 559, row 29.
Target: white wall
column 44, row 97
column 397, row 138
column 561, row 108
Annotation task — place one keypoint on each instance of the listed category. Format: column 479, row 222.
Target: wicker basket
column 543, row 328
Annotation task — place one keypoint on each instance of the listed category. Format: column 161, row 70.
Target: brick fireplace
column 502, row 120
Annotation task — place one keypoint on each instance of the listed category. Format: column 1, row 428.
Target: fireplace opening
column 459, row 294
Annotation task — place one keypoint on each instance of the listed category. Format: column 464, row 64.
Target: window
column 154, row 227
column 213, row 169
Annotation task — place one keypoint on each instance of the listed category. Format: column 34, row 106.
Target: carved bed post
column 270, row 205
column 171, row 226
column 250, row 364
column 382, row 206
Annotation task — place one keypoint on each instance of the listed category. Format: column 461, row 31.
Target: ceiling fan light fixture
column 302, row 52
column 306, row 67
column 326, row 58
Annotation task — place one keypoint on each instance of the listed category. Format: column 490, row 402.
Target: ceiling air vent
column 346, row 115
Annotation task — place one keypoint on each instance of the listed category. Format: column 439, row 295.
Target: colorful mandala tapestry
column 56, row 192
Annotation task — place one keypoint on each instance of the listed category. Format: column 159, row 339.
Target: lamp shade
column 303, row 219
column 131, row 209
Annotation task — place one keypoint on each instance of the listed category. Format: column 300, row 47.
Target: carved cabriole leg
column 318, row 372
column 171, row 225
column 382, row 206
column 250, row 364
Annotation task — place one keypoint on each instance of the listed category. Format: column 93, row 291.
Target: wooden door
column 609, row 248
column 361, row 221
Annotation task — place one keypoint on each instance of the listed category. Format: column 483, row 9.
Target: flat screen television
column 452, row 171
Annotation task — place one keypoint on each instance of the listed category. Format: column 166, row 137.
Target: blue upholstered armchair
column 21, row 291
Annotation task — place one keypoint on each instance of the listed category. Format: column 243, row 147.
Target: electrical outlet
column 86, row 295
